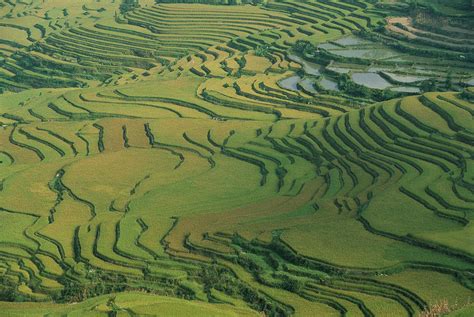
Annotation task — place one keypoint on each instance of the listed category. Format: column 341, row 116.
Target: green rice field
column 236, row 158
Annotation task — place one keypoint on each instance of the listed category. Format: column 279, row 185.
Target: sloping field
column 128, row 304
column 177, row 159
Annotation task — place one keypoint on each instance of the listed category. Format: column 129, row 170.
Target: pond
column 370, row 80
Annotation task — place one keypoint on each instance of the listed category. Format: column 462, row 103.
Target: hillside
column 236, row 158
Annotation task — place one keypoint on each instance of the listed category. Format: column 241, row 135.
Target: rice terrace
column 237, row 158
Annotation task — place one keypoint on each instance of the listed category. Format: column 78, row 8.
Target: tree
column 300, row 46
column 128, row 5
column 293, row 285
column 449, row 80
column 262, row 50
column 413, row 4
column 428, row 85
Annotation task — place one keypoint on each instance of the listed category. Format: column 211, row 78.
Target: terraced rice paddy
column 280, row 158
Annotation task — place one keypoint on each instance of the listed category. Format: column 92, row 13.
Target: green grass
column 463, row 312
column 137, row 303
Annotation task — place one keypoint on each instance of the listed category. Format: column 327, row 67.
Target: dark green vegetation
column 235, row 158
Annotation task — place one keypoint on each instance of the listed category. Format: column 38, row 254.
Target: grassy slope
column 142, row 185
column 126, row 302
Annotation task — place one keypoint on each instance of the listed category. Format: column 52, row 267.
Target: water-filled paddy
column 308, row 67
column 370, row 80
column 328, row 84
column 328, row 46
column 414, row 90
column 365, row 53
column 290, row 83
column 351, row 41
column 340, row 70
column 405, row 78
column 308, row 85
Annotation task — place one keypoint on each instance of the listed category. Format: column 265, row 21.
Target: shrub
column 439, row 309
column 304, row 47
column 262, row 51
column 293, row 285
column 468, row 95
column 428, row 85
column 128, row 5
